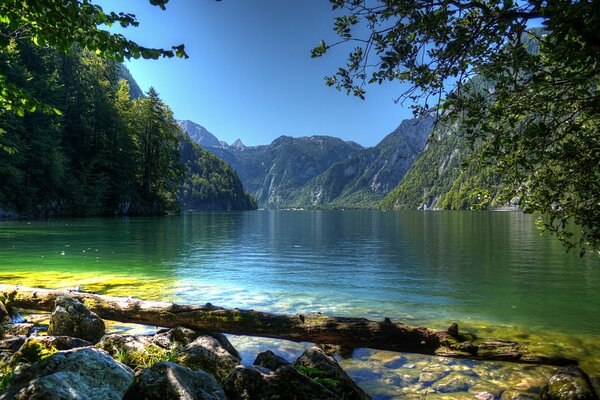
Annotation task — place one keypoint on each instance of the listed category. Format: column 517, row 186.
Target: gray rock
column 170, row 381
column 253, row 383
column 24, row 329
column 181, row 337
column 316, row 364
column 270, row 360
column 58, row 342
column 516, row 395
column 208, row 354
column 12, row 344
column 133, row 351
column 82, row 374
column 569, row 383
column 71, row 318
column 4, row 315
column 37, row 347
column 454, row 382
column 178, row 336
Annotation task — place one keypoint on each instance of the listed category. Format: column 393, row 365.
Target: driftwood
column 343, row 331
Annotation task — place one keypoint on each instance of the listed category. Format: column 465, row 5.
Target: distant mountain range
column 320, row 171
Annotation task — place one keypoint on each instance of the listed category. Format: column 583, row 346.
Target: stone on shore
column 208, row 354
column 71, row 318
column 170, row 381
column 316, row 364
column 87, row 373
column 286, row 383
column 270, row 360
column 4, row 315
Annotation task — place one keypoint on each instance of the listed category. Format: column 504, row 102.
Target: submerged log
column 316, row 328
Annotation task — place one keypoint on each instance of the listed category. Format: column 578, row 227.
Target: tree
column 60, row 24
column 536, row 116
column 160, row 170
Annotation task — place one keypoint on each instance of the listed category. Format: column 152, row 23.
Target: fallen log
column 317, row 328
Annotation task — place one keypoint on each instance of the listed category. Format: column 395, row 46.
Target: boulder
column 516, row 395
column 86, row 373
column 208, row 354
column 569, row 383
column 170, row 381
column 4, row 315
column 316, row 364
column 133, row 351
column 270, row 360
column 12, row 344
column 37, row 348
column 58, row 342
column 452, row 383
column 178, row 336
column 286, row 383
column 71, row 318
column 22, row 329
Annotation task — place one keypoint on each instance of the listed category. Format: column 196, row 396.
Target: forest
column 98, row 147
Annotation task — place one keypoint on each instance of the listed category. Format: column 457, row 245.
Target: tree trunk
column 344, row 331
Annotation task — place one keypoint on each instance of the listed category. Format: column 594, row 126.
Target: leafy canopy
column 535, row 119
column 60, row 24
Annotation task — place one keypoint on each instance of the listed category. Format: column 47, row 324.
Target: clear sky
column 250, row 74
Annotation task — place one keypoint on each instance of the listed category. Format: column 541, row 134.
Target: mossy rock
column 569, row 383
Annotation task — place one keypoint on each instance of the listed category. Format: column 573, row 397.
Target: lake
column 489, row 271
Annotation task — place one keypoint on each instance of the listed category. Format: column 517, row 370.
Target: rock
column 73, row 374
column 71, row 318
column 317, row 365
column 181, row 337
column 133, row 351
column 23, row 329
column 270, row 360
column 569, row 383
column 208, row 354
column 178, row 336
column 485, row 396
column 170, row 381
column 516, row 395
column 253, row 383
column 452, row 383
column 12, row 344
column 58, row 342
column 4, row 315
column 226, row 344
column 36, row 348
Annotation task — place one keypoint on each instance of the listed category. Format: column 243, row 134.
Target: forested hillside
column 367, row 176
column 275, row 173
column 210, row 183
column 100, row 152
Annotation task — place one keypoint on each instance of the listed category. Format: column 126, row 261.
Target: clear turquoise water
column 490, row 271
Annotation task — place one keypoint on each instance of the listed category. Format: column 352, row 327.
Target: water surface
column 489, row 271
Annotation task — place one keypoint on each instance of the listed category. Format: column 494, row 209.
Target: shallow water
column 491, row 272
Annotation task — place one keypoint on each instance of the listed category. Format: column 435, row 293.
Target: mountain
column 323, row 171
column 438, row 179
column 275, row 173
column 364, row 178
column 209, row 183
column 199, row 134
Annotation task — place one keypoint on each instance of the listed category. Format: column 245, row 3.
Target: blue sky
column 250, row 74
